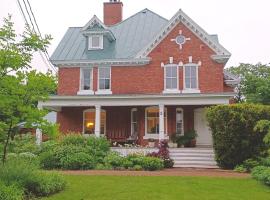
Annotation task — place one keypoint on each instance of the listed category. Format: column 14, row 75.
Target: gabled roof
column 131, row 35
column 231, row 79
column 131, row 39
column 180, row 16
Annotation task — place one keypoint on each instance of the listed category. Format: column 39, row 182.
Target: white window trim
column 131, row 119
column 152, row 135
column 94, row 110
column 86, row 92
column 191, row 90
column 90, row 47
column 182, row 110
column 104, row 91
column 171, row 91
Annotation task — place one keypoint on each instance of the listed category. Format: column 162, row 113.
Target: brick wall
column 150, row 78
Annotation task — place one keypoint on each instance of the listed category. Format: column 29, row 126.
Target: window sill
column 103, row 92
column 191, row 91
column 171, row 91
column 85, row 92
column 154, row 136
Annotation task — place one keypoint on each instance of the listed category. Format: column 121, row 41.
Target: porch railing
column 118, row 136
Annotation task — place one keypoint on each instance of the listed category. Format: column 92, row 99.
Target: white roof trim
column 231, row 79
column 56, row 102
column 93, row 21
column 114, row 62
column 180, row 16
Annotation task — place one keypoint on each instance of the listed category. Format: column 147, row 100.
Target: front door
column 201, row 127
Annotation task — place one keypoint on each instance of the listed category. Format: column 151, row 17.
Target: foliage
column 240, row 169
column 264, row 126
column 163, row 154
column 74, row 151
column 265, row 161
column 23, row 143
column 255, row 82
column 11, row 192
column 21, row 90
column 27, row 176
column 234, row 138
column 262, row 173
column 115, row 160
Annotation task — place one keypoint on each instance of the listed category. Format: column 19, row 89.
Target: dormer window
column 95, row 42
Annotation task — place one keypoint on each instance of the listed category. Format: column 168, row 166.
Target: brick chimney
column 113, row 12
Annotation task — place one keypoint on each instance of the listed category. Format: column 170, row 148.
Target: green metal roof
column 131, row 36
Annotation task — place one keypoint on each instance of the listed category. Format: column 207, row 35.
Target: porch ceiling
column 56, row 102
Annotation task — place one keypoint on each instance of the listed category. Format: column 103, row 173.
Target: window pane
column 86, row 79
column 193, row 71
column 102, row 122
column 187, row 82
column 174, row 71
column 168, row 72
column 174, row 83
column 101, row 72
column 101, row 84
column 187, row 72
column 95, row 41
column 89, row 122
column 193, row 83
column 168, row 83
column 107, row 84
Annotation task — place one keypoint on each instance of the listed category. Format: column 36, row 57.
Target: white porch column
column 38, row 136
column 161, row 122
column 97, row 121
column 38, row 131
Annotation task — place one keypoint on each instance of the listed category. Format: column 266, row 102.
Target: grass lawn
column 161, row 188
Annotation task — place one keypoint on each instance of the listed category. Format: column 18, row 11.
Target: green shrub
column 44, row 184
column 11, row 192
column 74, row 139
column 48, row 160
column 234, row 137
column 265, row 162
column 152, row 164
column 137, row 168
column 115, row 160
column 27, row 176
column 146, row 162
column 73, row 157
column 49, row 145
column 24, row 143
column 261, row 173
column 249, row 164
column 240, row 168
column 98, row 148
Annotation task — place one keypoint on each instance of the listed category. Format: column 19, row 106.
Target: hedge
column 234, row 138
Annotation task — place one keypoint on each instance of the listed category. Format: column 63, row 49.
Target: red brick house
column 139, row 78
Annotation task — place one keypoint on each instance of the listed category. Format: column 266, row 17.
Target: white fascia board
column 94, row 20
column 147, row 100
column 109, row 62
column 180, row 16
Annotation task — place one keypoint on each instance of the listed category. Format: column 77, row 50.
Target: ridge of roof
column 145, row 9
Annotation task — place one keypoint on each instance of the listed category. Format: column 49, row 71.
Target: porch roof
column 56, row 102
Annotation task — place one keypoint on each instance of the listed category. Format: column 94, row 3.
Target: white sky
column 243, row 26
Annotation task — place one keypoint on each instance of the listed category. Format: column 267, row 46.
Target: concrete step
column 192, row 158
column 192, row 154
column 197, row 166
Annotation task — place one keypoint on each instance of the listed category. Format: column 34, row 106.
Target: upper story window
column 86, row 81
column 104, row 80
column 95, row 42
column 191, row 78
column 171, row 77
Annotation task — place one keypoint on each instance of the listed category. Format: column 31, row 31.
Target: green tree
column 255, row 82
column 20, row 88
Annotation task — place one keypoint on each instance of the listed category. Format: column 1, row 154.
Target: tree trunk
column 6, row 144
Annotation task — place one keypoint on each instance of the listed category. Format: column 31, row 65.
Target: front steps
column 193, row 157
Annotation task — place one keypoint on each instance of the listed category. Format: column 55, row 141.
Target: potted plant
column 190, row 138
column 151, row 142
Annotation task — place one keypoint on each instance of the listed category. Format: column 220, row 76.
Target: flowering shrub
column 163, row 153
